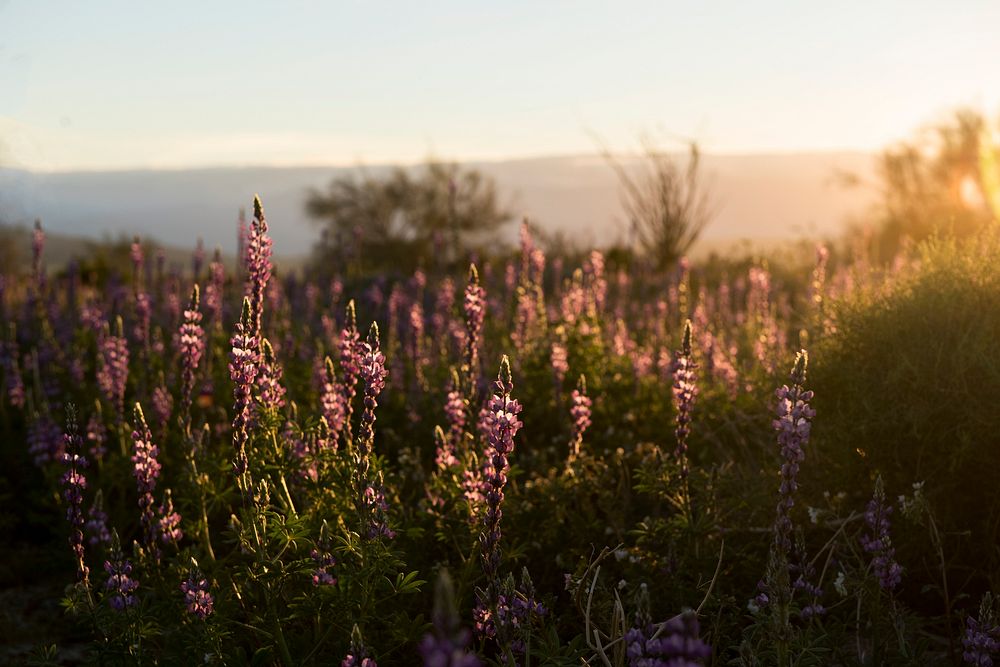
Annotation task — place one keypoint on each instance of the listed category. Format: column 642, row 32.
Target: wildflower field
column 522, row 461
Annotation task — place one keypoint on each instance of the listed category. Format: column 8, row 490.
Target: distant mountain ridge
column 758, row 197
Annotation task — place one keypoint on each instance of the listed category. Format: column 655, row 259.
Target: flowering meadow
column 529, row 461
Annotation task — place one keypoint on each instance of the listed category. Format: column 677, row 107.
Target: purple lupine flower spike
column 502, row 425
column 579, row 412
column 163, row 403
column 120, row 585
column 444, row 453
column 981, row 642
column 74, row 483
column 97, row 432
column 879, row 543
column 371, row 500
column 331, row 401
column 243, row 368
column 673, row 643
column 456, row 409
column 323, row 559
column 349, row 347
column 685, row 390
column 258, row 265
column 272, row 391
column 112, row 367
column 474, row 307
column 191, row 341
column 97, row 522
column 146, row 469
column 214, row 289
column 447, row 645
column 169, row 525
column 357, row 656
column 793, row 427
column 12, row 368
column 197, row 599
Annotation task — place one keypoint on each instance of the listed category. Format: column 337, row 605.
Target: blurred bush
column 907, row 387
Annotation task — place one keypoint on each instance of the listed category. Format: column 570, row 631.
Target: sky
column 123, row 85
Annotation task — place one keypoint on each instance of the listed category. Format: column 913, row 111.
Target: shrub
column 907, row 387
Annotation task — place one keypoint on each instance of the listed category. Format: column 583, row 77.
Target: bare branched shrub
column 665, row 200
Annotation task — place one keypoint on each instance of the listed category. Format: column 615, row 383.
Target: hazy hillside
column 757, row 196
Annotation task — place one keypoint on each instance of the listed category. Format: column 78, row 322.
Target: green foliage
column 907, row 388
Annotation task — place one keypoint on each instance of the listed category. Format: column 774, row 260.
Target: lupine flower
column 120, row 584
column 331, row 401
column 373, row 373
column 198, row 601
column 258, row 266
column 349, row 346
column 74, row 483
column 191, row 342
column 447, row 645
column 502, row 424
column 12, row 369
column 143, row 317
column 685, row 391
column 357, row 656
column 517, row 610
column 96, row 527
column 593, row 271
column 677, row 646
column 371, row 500
column 444, row 451
column 97, row 433
column 579, row 412
column 214, row 289
column 981, row 642
column 112, row 368
column 272, row 391
column 879, row 542
column 455, row 409
column 793, row 427
column 417, row 351
column 45, row 440
column 170, row 522
column 376, row 509
column 525, row 316
column 560, row 362
column 804, row 573
column 163, row 403
column 443, row 304
column 146, row 470
column 474, row 307
column 243, row 366
column 323, row 559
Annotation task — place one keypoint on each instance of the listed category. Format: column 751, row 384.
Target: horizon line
column 430, row 157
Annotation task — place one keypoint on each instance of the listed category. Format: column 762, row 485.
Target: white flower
column 838, row 584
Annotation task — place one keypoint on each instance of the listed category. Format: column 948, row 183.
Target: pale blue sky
column 88, row 85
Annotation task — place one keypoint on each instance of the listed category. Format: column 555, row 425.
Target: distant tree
column 944, row 179
column 396, row 220
column 665, row 201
